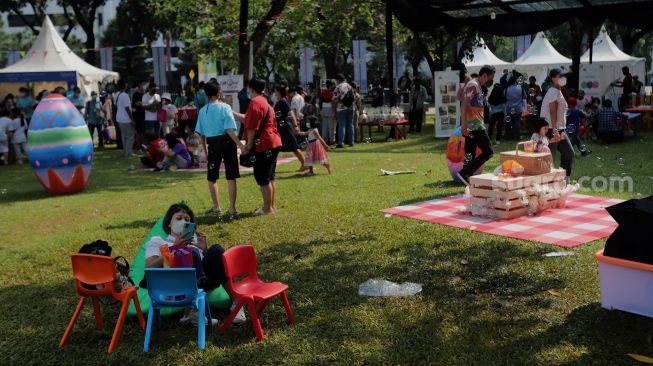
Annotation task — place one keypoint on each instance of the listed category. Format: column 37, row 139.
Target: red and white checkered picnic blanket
column 583, row 220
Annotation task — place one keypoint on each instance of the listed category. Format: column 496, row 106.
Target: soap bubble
column 257, row 142
column 508, row 119
column 571, row 128
column 598, row 162
column 621, row 162
column 268, row 154
column 531, row 92
column 3, row 191
column 512, row 111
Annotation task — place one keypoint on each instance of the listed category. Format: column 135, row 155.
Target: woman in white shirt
column 207, row 261
column 554, row 111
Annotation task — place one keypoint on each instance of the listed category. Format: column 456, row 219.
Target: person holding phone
column 179, row 224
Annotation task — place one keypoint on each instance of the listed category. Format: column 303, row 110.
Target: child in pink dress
column 316, row 149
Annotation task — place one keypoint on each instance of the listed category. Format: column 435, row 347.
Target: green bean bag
column 217, row 298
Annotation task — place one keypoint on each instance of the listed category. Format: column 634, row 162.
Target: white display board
column 593, row 81
column 447, row 108
column 230, row 85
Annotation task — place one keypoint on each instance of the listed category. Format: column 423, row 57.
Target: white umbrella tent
column 611, row 59
column 541, row 57
column 50, row 63
column 483, row 56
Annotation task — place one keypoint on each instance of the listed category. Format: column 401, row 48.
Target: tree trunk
column 575, row 33
column 262, row 29
column 330, row 62
column 90, row 45
column 243, row 45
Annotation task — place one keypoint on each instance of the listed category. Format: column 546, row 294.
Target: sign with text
column 592, row 80
column 230, row 85
column 447, row 108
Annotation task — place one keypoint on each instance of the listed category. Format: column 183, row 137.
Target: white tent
column 483, row 56
column 51, row 62
column 610, row 59
column 540, row 57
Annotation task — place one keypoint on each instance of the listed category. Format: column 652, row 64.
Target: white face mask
column 249, row 94
column 177, row 226
column 562, row 81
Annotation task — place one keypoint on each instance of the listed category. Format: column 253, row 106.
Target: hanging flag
column 360, row 64
column 305, row 65
column 106, row 58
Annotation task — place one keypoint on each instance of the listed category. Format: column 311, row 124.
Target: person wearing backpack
column 497, row 102
column 515, row 105
column 343, row 99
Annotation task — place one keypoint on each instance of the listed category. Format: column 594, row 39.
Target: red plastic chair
column 239, row 261
column 94, row 277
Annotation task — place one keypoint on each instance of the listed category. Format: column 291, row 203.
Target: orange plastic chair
column 94, row 278
column 238, row 262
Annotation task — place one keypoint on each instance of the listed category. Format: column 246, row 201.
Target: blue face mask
column 94, row 98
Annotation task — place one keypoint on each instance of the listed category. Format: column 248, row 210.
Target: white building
column 12, row 23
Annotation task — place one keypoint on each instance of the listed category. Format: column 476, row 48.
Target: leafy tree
column 38, row 8
column 135, row 21
column 212, row 27
column 85, row 13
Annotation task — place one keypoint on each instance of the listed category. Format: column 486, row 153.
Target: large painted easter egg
column 59, row 146
column 456, row 154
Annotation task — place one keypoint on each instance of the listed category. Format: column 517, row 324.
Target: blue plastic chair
column 175, row 287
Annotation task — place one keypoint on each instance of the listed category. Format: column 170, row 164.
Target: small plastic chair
column 175, row 287
column 239, row 261
column 94, row 277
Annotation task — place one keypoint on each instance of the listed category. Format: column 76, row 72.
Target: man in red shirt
column 266, row 147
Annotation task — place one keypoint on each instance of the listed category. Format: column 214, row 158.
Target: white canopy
column 604, row 50
column 540, row 57
column 609, row 60
column 50, row 56
column 483, row 56
column 541, row 52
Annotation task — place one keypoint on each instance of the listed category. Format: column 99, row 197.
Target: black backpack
column 101, row 247
column 348, row 99
column 497, row 96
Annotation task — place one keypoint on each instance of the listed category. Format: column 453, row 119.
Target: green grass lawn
column 329, row 237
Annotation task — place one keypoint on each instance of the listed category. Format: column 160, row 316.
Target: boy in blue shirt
column 574, row 119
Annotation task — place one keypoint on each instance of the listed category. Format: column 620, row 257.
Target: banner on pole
column 106, row 58
column 13, row 57
column 360, row 64
column 305, row 65
column 159, row 67
column 447, row 108
column 522, row 44
column 207, row 68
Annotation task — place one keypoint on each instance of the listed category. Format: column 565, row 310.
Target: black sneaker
column 586, row 153
column 340, row 146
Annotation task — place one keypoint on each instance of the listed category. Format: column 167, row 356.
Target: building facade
column 12, row 23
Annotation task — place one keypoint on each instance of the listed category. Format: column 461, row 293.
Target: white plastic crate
column 626, row 285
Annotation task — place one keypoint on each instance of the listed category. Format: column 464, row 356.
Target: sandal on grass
column 259, row 211
column 214, row 211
